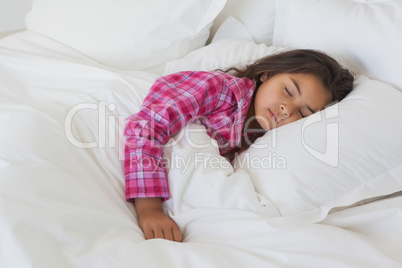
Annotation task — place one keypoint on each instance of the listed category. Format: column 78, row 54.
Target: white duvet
column 62, row 188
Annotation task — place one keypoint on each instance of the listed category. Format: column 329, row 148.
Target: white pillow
column 349, row 152
column 258, row 16
column 126, row 34
column 366, row 36
column 222, row 54
column 232, row 28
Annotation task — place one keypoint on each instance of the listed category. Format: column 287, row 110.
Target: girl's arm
column 173, row 102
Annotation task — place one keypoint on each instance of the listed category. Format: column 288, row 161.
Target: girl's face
column 285, row 98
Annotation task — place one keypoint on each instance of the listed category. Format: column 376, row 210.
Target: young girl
column 236, row 110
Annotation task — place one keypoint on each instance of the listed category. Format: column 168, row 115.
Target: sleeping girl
column 236, row 107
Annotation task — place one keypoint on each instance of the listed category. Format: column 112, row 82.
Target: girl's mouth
column 273, row 116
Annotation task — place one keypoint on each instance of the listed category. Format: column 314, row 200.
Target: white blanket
column 62, row 188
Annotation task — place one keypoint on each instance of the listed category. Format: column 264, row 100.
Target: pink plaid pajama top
column 218, row 100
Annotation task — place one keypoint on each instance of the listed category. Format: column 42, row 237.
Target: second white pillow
column 126, row 34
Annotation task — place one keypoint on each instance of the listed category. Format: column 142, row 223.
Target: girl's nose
column 287, row 109
column 284, row 110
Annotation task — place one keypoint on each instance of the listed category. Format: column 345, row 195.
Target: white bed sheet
column 63, row 206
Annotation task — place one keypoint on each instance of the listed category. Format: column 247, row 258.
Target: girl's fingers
column 159, row 225
column 176, row 235
column 168, row 234
column 148, row 233
column 158, row 233
column 172, row 234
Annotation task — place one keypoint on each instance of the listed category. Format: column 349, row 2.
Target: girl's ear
column 264, row 77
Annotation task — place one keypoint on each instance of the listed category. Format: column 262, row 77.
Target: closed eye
column 301, row 114
column 288, row 92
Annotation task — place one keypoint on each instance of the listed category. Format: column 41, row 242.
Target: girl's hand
column 153, row 222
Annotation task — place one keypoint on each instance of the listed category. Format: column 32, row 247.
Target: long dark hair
column 335, row 78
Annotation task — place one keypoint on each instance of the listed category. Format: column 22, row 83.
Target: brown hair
column 335, row 78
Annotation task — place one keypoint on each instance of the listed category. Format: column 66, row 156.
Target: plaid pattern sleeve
column 173, row 101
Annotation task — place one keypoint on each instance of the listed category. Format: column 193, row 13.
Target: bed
column 324, row 191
